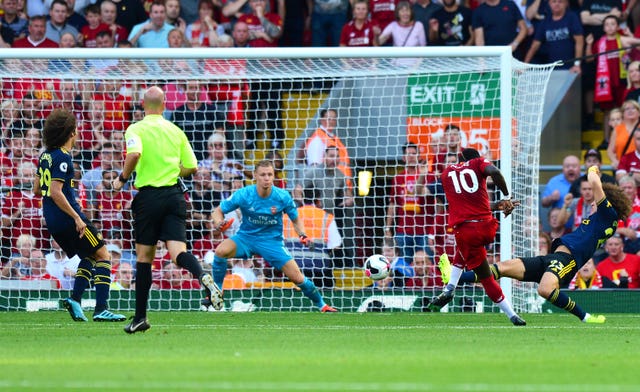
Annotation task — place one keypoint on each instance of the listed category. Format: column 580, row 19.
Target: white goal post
column 382, row 98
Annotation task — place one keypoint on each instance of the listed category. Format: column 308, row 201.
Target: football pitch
column 274, row 351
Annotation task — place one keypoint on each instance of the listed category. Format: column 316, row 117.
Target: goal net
column 238, row 107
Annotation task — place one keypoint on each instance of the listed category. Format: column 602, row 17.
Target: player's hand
column 306, row 241
column 80, row 226
column 507, row 206
column 223, row 225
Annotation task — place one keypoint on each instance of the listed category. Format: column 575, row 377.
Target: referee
column 160, row 153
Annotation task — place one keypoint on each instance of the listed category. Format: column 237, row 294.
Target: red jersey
column 352, row 36
column 26, row 43
column 255, row 25
column 114, row 211
column 89, row 35
column 383, row 12
column 116, row 112
column 410, row 212
column 630, row 163
column 465, row 186
column 30, row 222
column 631, row 263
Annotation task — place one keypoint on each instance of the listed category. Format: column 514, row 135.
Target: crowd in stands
column 221, row 120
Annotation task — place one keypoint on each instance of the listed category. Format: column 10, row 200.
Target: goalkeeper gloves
column 224, row 225
column 306, row 241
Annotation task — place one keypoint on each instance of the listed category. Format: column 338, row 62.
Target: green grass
column 320, row 352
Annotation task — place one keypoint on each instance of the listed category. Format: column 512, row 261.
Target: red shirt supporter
column 27, row 43
column 234, row 92
column 113, row 212
column 352, row 36
column 116, row 112
column 255, row 26
column 383, row 12
column 410, row 212
column 28, row 208
column 42, row 90
column 612, row 270
column 629, row 164
column 89, row 34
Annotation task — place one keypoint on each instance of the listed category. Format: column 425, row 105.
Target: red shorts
column 471, row 239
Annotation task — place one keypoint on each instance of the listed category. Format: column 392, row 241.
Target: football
column 377, row 267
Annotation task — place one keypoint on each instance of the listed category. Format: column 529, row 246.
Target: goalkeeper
column 262, row 206
column 570, row 252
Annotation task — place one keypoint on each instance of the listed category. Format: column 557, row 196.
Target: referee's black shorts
column 159, row 214
column 71, row 244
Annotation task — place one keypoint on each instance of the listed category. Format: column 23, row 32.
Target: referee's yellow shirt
column 162, row 147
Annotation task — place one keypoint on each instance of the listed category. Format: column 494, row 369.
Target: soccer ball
column 377, row 267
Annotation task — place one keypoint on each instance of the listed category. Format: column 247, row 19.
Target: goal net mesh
column 237, row 112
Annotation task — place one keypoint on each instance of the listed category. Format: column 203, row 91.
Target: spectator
column 113, row 208
column 18, row 265
column 12, row 20
column 173, row 15
column 592, row 157
column 154, row 32
column 60, row 266
column 6, row 36
column 335, row 195
column 204, row 31
column 558, row 186
column 424, row 10
column 544, row 243
column 36, row 38
column 109, row 160
column 9, row 112
column 223, row 169
column 108, row 15
column 175, row 278
column 94, row 26
column 592, row 16
column 197, row 118
column 177, row 39
column 116, row 106
column 75, row 9
column 405, row 30
column 622, row 135
column 240, row 35
column 499, row 22
column 359, row 31
column 426, row 274
column 610, row 84
column 619, row 269
column 450, row 145
column 278, row 165
column 21, row 207
column 123, row 279
column 104, row 39
column 32, row 145
column 630, row 229
column 587, row 278
column 265, row 28
column 408, row 220
column 57, row 24
column 38, row 270
column 316, row 262
column 630, row 163
column 384, row 12
column 325, row 136
column 401, row 267
column 559, row 37
column 633, row 82
column 327, row 19
column 449, row 25
column 128, row 14
column 203, row 200
column 575, row 210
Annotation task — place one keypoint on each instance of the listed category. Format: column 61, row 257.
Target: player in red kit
column 471, row 217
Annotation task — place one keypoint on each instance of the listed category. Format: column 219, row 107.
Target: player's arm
column 593, row 175
column 130, row 163
column 62, row 203
column 506, row 204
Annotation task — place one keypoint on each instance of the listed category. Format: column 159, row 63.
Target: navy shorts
column 72, row 245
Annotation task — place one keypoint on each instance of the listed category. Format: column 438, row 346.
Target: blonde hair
column 26, row 240
column 632, row 64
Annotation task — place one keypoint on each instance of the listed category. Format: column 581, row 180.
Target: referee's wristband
column 122, row 179
column 506, row 197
